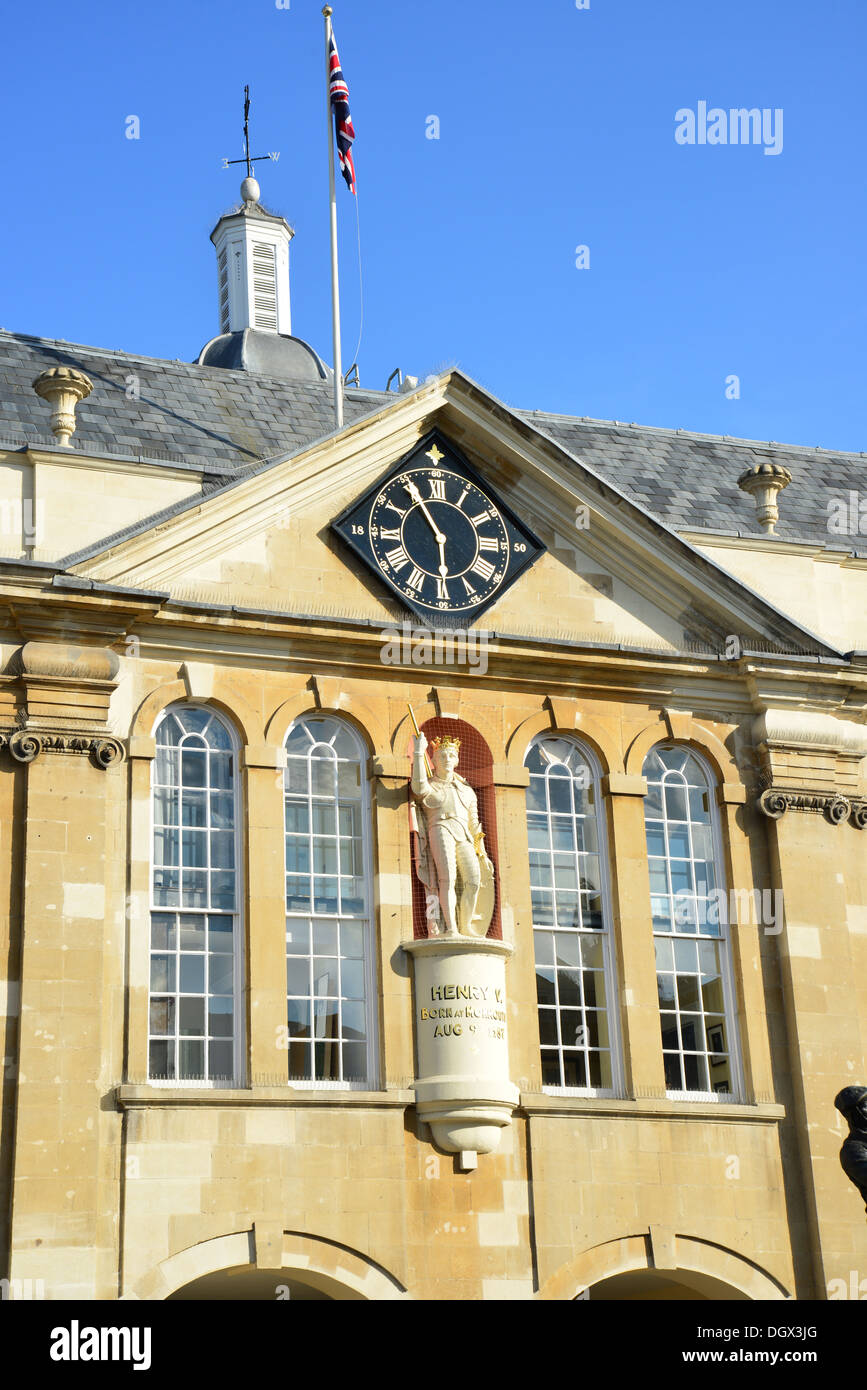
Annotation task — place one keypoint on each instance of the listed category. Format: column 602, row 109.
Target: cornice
column 135, row 465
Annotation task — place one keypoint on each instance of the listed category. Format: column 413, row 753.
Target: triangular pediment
column 610, row 573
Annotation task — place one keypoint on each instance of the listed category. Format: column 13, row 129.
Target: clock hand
column 417, row 498
column 444, row 569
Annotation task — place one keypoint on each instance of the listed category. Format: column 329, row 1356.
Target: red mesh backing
column 476, row 765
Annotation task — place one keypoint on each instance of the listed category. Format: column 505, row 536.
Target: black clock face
column 437, row 535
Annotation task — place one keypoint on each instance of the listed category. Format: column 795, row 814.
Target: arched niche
column 476, row 765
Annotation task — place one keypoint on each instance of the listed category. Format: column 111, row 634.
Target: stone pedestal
column 462, row 1083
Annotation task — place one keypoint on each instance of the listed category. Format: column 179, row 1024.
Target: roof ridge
column 218, row 373
column 668, row 430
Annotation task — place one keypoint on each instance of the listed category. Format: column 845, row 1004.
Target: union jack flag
column 342, row 119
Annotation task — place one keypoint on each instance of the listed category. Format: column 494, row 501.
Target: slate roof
column 214, row 420
column 222, row 423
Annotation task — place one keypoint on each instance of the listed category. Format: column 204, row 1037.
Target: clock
column 437, row 534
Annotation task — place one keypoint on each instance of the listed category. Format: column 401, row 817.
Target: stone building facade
column 211, row 1041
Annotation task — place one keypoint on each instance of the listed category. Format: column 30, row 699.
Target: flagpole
column 335, row 284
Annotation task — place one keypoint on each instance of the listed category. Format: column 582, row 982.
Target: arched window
column 328, row 915
column 571, row 917
column 689, row 908
column 194, row 1032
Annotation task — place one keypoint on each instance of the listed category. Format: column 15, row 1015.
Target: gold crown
column 446, row 741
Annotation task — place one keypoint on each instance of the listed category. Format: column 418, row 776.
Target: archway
column 656, row 1286
column 244, row 1284
column 677, row 1267
column 310, row 1266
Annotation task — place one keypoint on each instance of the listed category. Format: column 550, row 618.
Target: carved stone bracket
column 774, row 802
column 25, row 745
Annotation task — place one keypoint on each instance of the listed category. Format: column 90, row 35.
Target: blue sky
column 557, row 130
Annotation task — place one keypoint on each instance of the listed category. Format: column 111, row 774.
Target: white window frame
column 239, row 1035
column 612, row 997
column 736, row 1095
column 371, row 1083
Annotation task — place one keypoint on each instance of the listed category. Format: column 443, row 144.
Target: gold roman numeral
column 397, row 557
column 484, row 568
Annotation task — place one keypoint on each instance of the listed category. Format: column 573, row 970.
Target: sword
column 427, row 765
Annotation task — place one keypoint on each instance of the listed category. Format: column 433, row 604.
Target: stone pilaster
column 265, row 916
column 636, row 962
column 72, row 868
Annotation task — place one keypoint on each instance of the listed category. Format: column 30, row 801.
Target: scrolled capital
column 25, row 746
column 107, row 752
column 773, row 804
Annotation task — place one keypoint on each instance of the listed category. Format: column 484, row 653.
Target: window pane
column 220, row 933
column 220, row 1018
column 297, row 976
column 166, row 847
column 192, row 1016
column 192, row 975
column 161, row 1061
column 352, row 976
column 192, row 932
column 162, row 1019
column 221, row 972
column 352, row 940
column 297, row 937
column 192, row 1060
column 162, row 973
column 220, row 1060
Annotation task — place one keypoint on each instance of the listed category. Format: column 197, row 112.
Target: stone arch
column 633, row 1254
column 587, row 729
column 349, row 1273
column 226, row 700
column 686, row 731
column 355, row 709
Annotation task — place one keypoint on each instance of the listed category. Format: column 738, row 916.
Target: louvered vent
column 223, row 272
column 264, row 286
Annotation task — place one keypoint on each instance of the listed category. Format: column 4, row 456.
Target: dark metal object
column 852, row 1103
column 250, row 162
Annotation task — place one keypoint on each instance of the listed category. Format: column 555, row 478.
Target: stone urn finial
column 63, row 387
column 764, row 481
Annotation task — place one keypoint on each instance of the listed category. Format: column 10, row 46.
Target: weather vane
column 250, row 162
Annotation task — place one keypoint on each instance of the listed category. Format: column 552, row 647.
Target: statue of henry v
column 451, row 861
